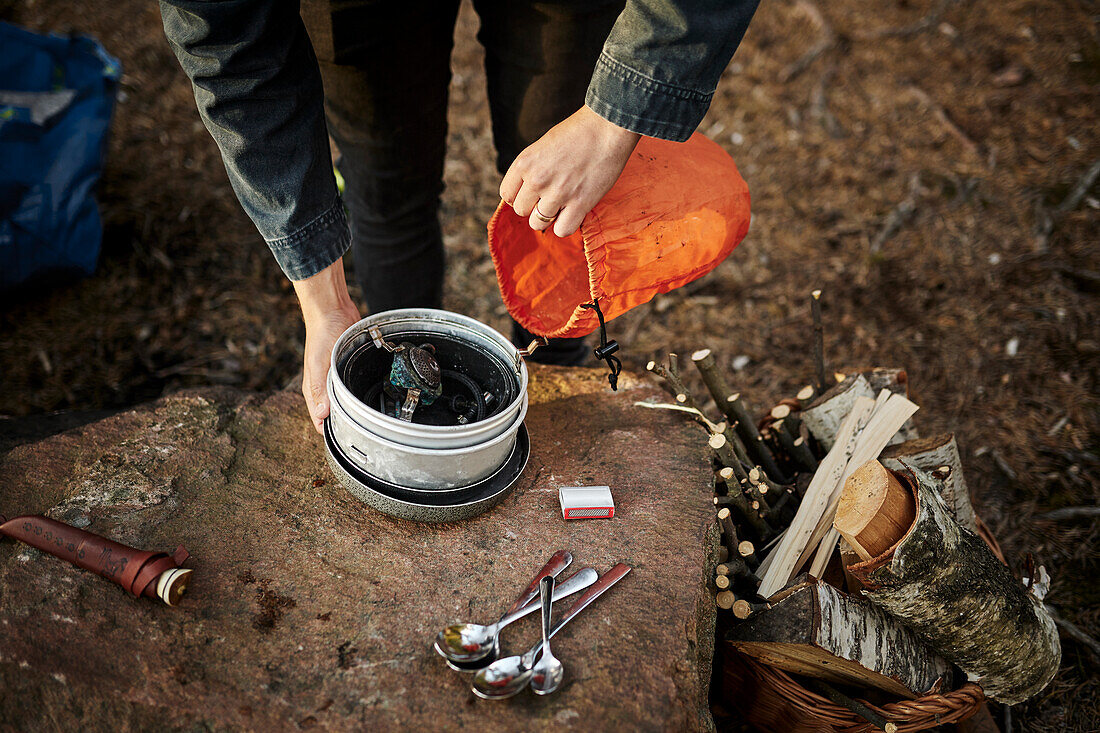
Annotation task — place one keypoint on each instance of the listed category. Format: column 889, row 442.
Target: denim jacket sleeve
column 258, row 90
column 660, row 65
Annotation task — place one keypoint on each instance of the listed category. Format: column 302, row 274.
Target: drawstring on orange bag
column 676, row 212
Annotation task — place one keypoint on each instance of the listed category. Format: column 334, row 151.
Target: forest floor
column 919, row 161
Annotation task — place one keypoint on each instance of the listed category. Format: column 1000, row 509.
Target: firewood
column 785, row 506
column 757, row 495
column 741, row 420
column 848, row 557
column 723, row 451
column 747, row 551
column 712, row 376
column 673, row 383
column 722, row 582
column 780, row 563
column 862, row 436
column 806, row 395
column 897, row 381
column 929, row 454
column 892, row 411
column 825, row 415
column 740, row 504
column 822, row 417
column 944, row 582
column 794, row 445
column 725, row 599
column 874, row 510
column 729, row 532
column 742, row 608
column 819, row 631
column 735, row 443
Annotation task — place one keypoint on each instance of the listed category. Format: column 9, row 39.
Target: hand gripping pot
column 676, row 212
column 432, row 454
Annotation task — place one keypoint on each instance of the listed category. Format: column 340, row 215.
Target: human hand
column 327, row 311
column 567, row 171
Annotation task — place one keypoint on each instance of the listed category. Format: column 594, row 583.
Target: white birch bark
column 944, row 583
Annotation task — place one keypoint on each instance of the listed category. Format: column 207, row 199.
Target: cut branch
column 857, row 707
column 740, row 503
column 819, row 340
column 741, row 419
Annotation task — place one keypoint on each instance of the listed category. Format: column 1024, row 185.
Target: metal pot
column 413, row 454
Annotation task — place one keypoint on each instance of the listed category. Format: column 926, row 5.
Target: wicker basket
column 770, row 699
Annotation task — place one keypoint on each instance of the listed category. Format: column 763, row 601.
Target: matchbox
column 586, row 502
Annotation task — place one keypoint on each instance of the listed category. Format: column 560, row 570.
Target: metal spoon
column 548, row 672
column 471, row 642
column 578, row 582
column 506, row 677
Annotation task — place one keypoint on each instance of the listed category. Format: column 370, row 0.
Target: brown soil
column 904, row 171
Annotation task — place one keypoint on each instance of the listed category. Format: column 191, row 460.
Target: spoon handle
column 608, row 579
column 560, row 561
column 580, row 580
column 546, row 589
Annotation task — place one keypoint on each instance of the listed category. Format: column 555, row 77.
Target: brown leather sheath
column 133, row 569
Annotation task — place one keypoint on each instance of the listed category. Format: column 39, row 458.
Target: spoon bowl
column 506, row 677
column 469, row 647
column 547, row 674
column 468, row 643
column 503, row 678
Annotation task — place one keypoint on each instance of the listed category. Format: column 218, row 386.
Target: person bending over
column 572, row 85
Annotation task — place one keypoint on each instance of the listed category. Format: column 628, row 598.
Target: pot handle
column 524, row 353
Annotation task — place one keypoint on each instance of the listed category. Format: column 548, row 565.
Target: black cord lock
column 606, row 350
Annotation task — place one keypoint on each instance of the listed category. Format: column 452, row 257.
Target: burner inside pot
column 476, row 383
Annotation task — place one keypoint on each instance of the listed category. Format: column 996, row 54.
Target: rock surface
column 308, row 609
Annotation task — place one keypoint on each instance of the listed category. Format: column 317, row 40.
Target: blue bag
column 56, row 98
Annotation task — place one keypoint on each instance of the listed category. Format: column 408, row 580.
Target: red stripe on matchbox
column 608, row 512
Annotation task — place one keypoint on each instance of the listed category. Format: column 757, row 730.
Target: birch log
column 825, row 414
column 931, row 454
column 944, row 582
column 897, row 381
column 819, row 631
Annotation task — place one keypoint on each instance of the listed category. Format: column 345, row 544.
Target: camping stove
column 426, row 417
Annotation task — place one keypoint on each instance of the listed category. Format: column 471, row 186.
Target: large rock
column 309, row 609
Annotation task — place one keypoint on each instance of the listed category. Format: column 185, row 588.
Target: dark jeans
column 386, row 70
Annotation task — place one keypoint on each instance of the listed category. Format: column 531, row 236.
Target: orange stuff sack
column 676, row 212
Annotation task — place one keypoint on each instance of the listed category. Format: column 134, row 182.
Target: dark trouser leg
column 539, row 58
column 386, row 69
